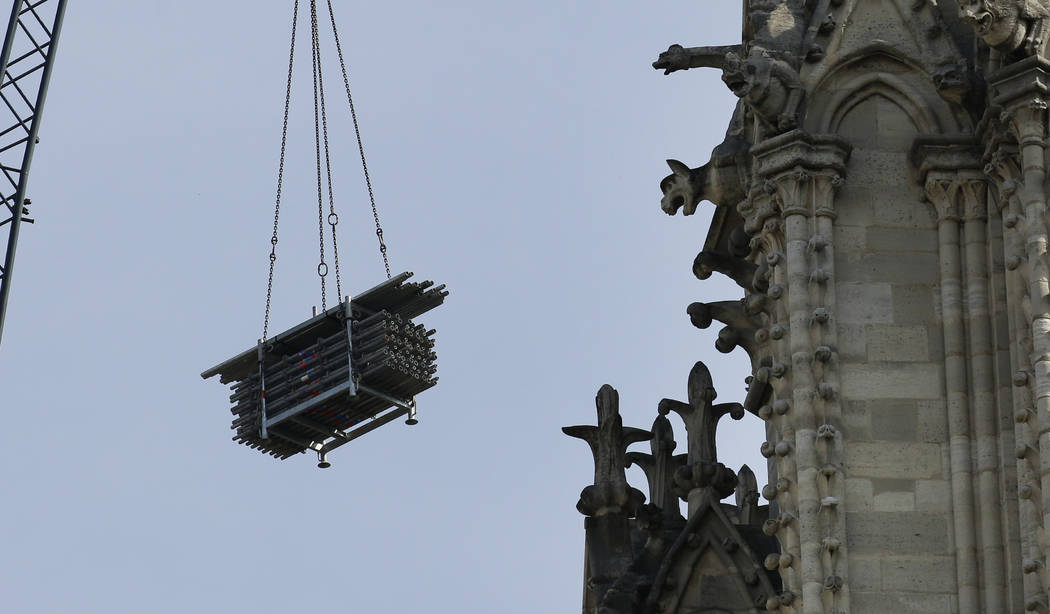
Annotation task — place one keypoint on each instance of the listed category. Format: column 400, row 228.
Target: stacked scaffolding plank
column 337, row 375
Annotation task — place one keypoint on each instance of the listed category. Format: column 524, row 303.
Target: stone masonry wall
column 898, row 493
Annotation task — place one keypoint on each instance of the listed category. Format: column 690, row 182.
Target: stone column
column 943, row 191
column 1019, row 89
column 799, row 172
column 1005, row 172
column 973, row 191
column 829, row 407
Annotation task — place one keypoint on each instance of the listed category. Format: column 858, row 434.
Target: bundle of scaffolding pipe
column 380, row 350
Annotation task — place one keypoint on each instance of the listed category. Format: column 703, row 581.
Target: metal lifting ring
column 322, row 269
column 333, row 219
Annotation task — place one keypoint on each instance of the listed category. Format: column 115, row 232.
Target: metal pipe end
column 322, row 461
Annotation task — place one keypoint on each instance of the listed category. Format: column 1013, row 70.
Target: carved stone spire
column 659, row 467
column 747, row 496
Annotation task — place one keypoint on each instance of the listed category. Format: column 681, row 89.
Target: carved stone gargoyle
column 701, row 418
column 1010, row 26
column 741, row 327
column 769, row 86
column 957, row 83
column 610, row 492
column 722, row 181
column 739, row 270
column 678, row 57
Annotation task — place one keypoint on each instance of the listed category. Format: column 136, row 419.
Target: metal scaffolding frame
column 26, row 61
column 339, row 375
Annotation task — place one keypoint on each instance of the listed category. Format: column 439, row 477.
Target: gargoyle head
column 681, row 190
column 739, row 74
column 998, row 22
column 953, row 81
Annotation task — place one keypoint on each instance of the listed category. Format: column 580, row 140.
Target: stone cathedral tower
column 881, row 200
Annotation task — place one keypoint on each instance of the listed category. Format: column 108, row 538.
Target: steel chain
column 360, row 144
column 333, row 218
column 320, row 136
column 280, row 173
column 322, row 267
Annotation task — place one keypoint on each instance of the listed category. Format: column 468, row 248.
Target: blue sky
column 516, row 151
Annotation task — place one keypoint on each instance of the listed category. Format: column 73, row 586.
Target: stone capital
column 974, row 192
column 1022, row 90
column 952, row 175
column 942, row 190
column 945, row 153
column 800, row 172
column 801, row 150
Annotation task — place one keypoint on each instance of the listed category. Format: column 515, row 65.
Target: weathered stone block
column 933, row 495
column 902, row 206
column 852, row 342
column 935, row 349
column 853, row 207
column 869, row 168
column 859, row 495
column 914, row 304
column 902, row 239
column 927, row 574
column 892, row 459
column 896, row 533
column 894, row 502
column 898, row 603
column 896, row 343
column 865, row 573
column 894, row 420
column 889, row 267
column 850, row 238
column 891, row 381
column 864, row 303
column 856, row 420
column 886, row 485
column 933, row 421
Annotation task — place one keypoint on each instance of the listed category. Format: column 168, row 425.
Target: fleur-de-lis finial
column 701, row 418
column 659, row 467
column 610, row 492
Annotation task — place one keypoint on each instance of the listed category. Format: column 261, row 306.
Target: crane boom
column 26, row 60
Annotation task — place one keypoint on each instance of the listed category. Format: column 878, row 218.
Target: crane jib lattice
column 26, row 61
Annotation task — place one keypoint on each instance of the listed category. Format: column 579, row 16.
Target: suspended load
column 352, row 368
column 336, row 376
